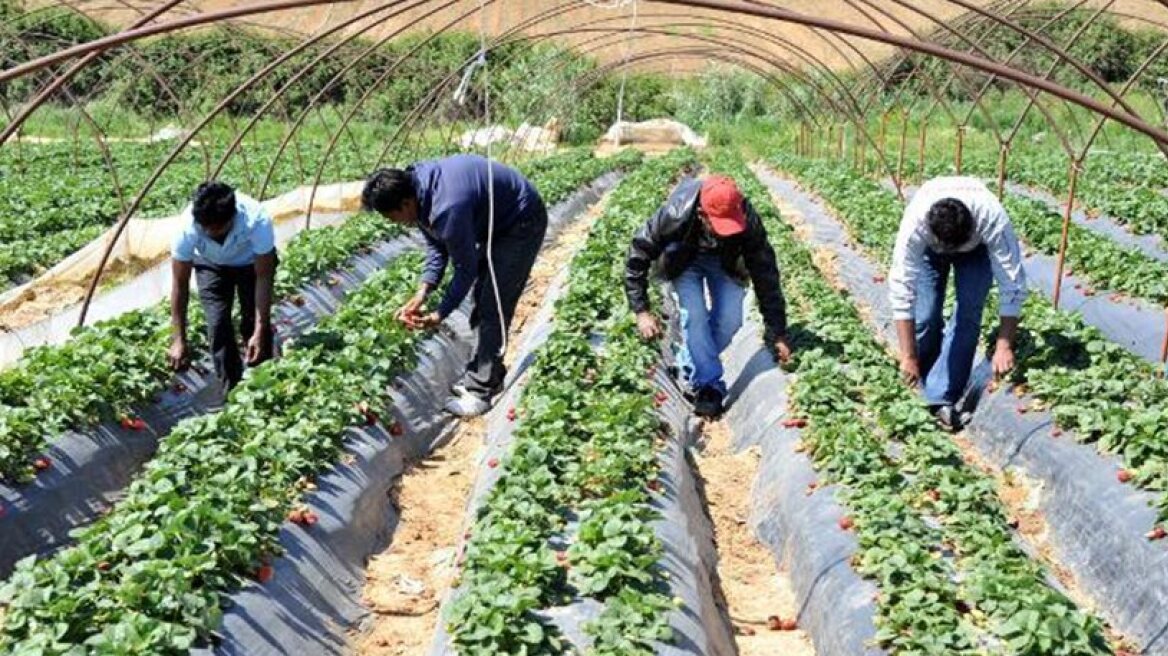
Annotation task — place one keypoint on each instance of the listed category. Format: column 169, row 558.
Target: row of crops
column 1096, row 390
column 203, row 516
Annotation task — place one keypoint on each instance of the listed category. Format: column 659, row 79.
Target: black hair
column 951, row 222
column 213, row 203
column 387, row 190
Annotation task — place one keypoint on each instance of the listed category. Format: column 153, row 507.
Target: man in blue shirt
column 230, row 244
column 449, row 201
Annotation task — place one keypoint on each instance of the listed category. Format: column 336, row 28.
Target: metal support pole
column 960, row 155
column 900, row 153
column 1062, row 255
column 921, row 152
column 839, row 141
column 1005, row 151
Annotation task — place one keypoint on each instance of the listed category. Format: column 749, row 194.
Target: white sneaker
column 466, row 405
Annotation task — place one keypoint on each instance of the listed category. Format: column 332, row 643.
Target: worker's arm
column 759, row 257
column 180, row 295
column 433, row 270
column 1006, row 261
column 907, row 261
column 646, row 247
column 265, row 272
column 453, row 226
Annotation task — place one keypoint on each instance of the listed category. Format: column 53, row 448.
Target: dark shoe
column 708, row 403
column 948, row 417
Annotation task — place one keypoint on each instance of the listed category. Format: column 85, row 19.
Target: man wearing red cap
column 707, row 237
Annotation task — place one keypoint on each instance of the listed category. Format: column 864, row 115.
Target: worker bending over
column 707, row 238
column 953, row 224
column 448, row 200
column 229, row 242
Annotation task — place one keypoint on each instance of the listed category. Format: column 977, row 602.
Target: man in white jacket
column 953, row 224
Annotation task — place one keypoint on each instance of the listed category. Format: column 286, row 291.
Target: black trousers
column 514, row 254
column 219, row 286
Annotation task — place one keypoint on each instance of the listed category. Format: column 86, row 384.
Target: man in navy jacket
column 449, row 201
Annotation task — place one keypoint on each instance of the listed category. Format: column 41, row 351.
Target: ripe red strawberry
column 296, row 516
column 1089, row 291
column 493, row 462
column 878, row 279
column 934, row 494
column 846, row 523
column 371, row 418
column 310, row 518
column 1125, row 476
column 1158, row 533
column 1056, row 432
column 511, row 414
column 42, row 463
column 661, row 397
column 796, row 422
column 264, row 573
column 654, row 485
column 133, row 423
column 789, row 624
column 1023, row 409
column 103, row 566
column 396, row 429
column 774, row 623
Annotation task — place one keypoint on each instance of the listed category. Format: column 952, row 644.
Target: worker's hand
column 254, row 352
column 422, row 321
column 648, row 326
column 411, row 311
column 783, row 350
column 178, row 356
column 1003, row 360
column 910, row 371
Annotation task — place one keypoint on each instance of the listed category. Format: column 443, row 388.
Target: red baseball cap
column 724, row 206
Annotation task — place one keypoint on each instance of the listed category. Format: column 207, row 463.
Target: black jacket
column 670, row 241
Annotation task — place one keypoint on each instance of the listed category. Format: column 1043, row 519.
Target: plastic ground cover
column 1151, row 245
column 835, row 603
column 1097, row 524
column 700, row 625
column 90, row 467
column 313, row 599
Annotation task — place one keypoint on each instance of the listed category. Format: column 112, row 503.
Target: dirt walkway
column 406, row 582
column 754, row 590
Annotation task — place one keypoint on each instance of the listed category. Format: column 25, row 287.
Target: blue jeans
column 707, row 328
column 946, row 352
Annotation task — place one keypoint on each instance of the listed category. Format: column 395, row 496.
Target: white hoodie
column 992, row 227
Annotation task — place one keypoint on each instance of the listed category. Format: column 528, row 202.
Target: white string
column 490, row 175
column 620, row 99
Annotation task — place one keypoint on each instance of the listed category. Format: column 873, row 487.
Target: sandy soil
column 406, row 581
column 753, row 589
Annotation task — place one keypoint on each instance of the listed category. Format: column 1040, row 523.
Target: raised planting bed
column 930, row 533
column 1075, row 403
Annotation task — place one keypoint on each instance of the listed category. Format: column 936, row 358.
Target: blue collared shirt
column 251, row 235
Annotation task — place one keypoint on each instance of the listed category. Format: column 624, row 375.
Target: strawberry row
column 1093, row 387
column 107, row 369
column 204, row 515
column 584, row 446
column 932, row 534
